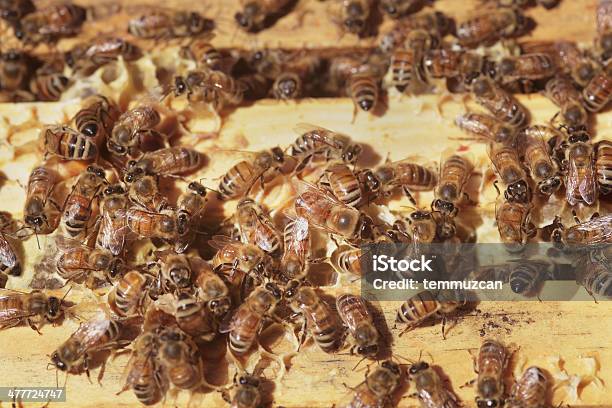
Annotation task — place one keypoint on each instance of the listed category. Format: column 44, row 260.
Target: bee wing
column 88, row 333
column 571, row 182
column 220, row 241
column 9, row 316
column 7, row 254
column 111, row 235
column 588, row 186
column 303, row 187
column 602, row 224
column 319, row 132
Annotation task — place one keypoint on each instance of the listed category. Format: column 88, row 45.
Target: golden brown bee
column 347, row 259
column 295, row 76
column 353, row 15
column 406, row 175
column 131, row 127
column 564, row 94
column 113, row 226
column 535, row 155
column 34, row 308
column 500, row 103
column 318, row 317
column 165, row 24
column 86, row 58
column 51, row 23
column 597, row 276
column 344, row 184
column 580, row 179
column 78, row 206
column 143, row 190
column 14, row 70
column 41, row 213
column 489, row 25
column 203, row 53
column 527, row 66
column 509, row 169
column 143, row 373
column 48, row 86
column 603, row 166
column 525, row 275
column 486, row 128
column 179, row 357
column 454, row 174
column 237, row 256
column 404, row 63
column 97, row 119
column 241, row 177
column 316, row 142
column 397, row 8
column 169, row 161
column 9, row 262
column 604, row 29
column 449, row 63
column 435, row 22
column 422, row 227
column 194, row 318
column 152, row 224
column 67, row 143
column 256, row 227
column 98, row 334
column 597, row 230
column 14, row 10
column 129, row 294
column 296, row 239
column 257, row 14
column 596, row 94
column 363, row 90
column 530, row 390
column 376, row 390
column 246, row 393
column 214, row 88
column 189, row 214
column 355, row 315
column 249, row 317
column 211, row 289
column 514, row 224
column 430, row 388
column 425, row 305
column 75, row 260
column 175, row 272
column 491, row 364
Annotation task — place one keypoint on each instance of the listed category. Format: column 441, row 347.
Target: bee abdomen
column 603, row 166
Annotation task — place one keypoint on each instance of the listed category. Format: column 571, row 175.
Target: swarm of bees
column 200, row 280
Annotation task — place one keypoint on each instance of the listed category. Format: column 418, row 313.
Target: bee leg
column 33, row 326
column 496, row 187
column 575, row 216
column 469, row 383
column 443, row 326
column 409, row 196
column 406, row 330
column 355, row 110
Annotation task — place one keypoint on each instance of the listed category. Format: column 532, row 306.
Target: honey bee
column 86, row 58
column 597, row 276
column 9, row 262
column 247, row 393
column 51, row 23
column 193, row 318
column 347, row 259
column 203, row 53
column 603, row 166
column 143, row 373
column 430, row 388
column 597, row 230
column 113, row 226
column 256, row 227
column 425, row 305
column 527, row 66
column 246, row 323
column 406, row 175
column 508, row 167
column 318, row 317
column 129, row 295
column 596, row 94
column 320, row 142
column 175, row 272
column 212, row 290
column 514, row 224
column 604, row 29
column 48, row 86
column 454, row 174
column 530, row 390
column 489, row 25
column 346, row 185
column 148, row 224
column 75, row 260
column 580, row 179
column 397, row 8
column 296, row 74
column 353, row 15
column 189, row 213
column 41, row 212
column 97, row 119
column 525, row 275
column 143, row 190
column 93, row 336
column 34, row 308
column 355, row 315
column 237, row 256
column 449, row 63
column 168, row 161
column 165, row 24
column 14, row 10
column 296, row 239
column 67, row 143
column 179, row 357
column 131, row 127
column 404, row 63
column 420, row 227
column 378, row 387
column 485, row 128
column 363, row 90
column 78, row 205
column 14, row 70
column 214, row 88
column 535, row 155
column 241, row 177
column 502, row 105
column 435, row 22
column 491, row 363
column 562, row 92
column 257, row 14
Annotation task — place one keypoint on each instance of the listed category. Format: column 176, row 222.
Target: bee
column 51, row 23
column 406, row 175
column 320, row 142
column 93, row 336
column 596, row 93
column 164, row 24
column 78, row 206
column 41, row 212
column 563, row 93
column 97, row 119
column 256, row 227
column 597, row 276
column 168, row 161
column 235, row 255
column 378, row 387
column 526, row 66
column 404, row 63
column 34, row 308
column 420, row 227
column 353, row 15
column 296, row 239
column 203, row 53
column 355, row 315
column 241, row 177
column 597, row 230
column 214, row 88
column 425, row 305
column 131, row 127
column 14, row 10
column 246, row 323
column 604, row 28
column 296, row 73
column 430, row 388
column 129, row 295
column 508, row 167
column 175, row 272
column 502, row 105
column 603, row 166
column 14, row 70
column 143, row 373
column 491, row 363
column 347, row 259
column 247, row 393
column 317, row 315
column 449, row 63
column 485, row 128
column 67, row 143
column 212, row 290
column 148, row 224
column 113, row 226
column 257, row 14
column 454, row 174
column 344, row 184
column 525, row 275
column 86, row 58
column 75, row 260
column 189, row 214
column 542, row 167
column 580, row 179
column 435, row 22
column 9, row 263
column 363, row 90
column 397, row 8
column 514, row 224
column 193, row 318
column 489, row 25
column 143, row 190
column 530, row 390
column 48, row 86
column 179, row 357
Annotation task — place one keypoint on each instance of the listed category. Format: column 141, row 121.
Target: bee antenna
column 66, row 294
column 359, row 362
column 37, row 241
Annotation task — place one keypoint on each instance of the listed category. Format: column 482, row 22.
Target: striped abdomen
column 363, row 90
column 49, row 87
column 524, row 277
column 402, row 64
column 417, row 309
column 77, row 212
column 414, row 176
column 453, row 176
column 323, row 326
column 245, row 327
column 69, row 144
column 344, row 184
column 597, row 92
column 530, row 390
column 603, row 166
column 126, row 295
column 237, row 180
